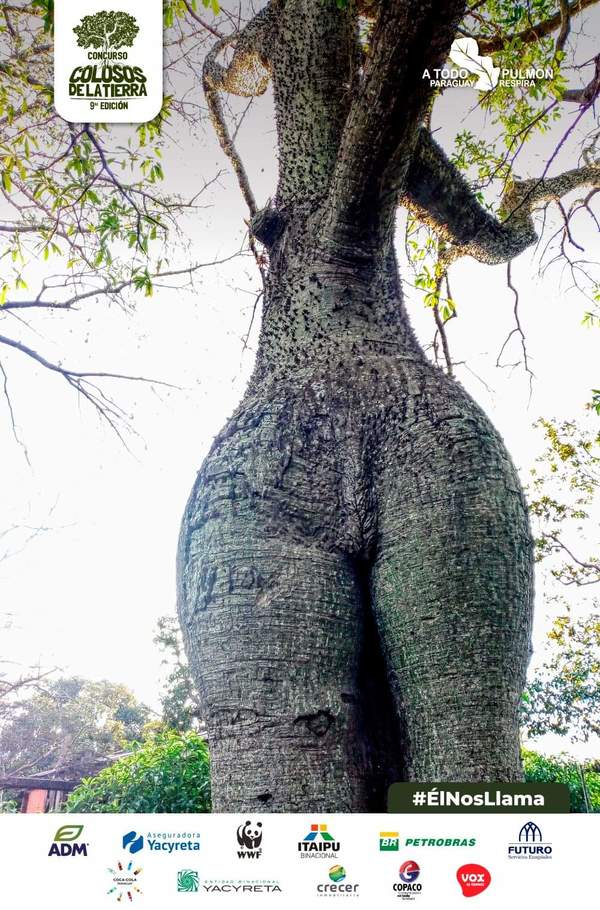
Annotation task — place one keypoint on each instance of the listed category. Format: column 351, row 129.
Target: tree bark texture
column 355, row 561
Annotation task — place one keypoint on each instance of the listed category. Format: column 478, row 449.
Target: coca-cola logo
column 473, row 879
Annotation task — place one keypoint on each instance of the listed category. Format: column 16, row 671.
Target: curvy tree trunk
column 355, row 564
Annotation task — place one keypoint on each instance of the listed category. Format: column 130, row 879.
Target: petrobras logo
column 318, row 844
column 66, row 842
column 440, row 841
column 530, row 844
column 389, row 841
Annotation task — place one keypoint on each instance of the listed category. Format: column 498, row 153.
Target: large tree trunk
column 355, row 564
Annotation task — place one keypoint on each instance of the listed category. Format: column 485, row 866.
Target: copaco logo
column 408, row 886
column 66, row 842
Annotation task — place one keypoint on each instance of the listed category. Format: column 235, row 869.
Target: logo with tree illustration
column 107, row 80
column 107, row 30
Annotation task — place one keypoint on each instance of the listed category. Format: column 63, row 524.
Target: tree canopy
column 169, row 772
column 107, row 30
column 67, row 724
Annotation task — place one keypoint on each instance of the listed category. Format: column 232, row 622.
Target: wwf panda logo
column 250, row 835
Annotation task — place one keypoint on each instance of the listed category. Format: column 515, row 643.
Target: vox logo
column 473, row 879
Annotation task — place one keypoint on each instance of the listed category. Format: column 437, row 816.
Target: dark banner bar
column 494, row 797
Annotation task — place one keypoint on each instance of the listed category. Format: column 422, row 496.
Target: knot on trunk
column 318, row 724
column 267, row 225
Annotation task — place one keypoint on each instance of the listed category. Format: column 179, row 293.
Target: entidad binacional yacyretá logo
column 188, row 881
column 108, row 60
column 67, row 842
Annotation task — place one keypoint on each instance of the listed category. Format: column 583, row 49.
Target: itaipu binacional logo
column 531, row 844
column 318, row 844
column 66, row 842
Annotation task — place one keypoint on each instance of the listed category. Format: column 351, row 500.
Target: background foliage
column 167, row 773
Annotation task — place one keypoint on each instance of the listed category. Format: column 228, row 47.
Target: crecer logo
column 64, row 845
column 473, row 879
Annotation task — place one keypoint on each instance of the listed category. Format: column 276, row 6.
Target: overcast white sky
column 86, row 594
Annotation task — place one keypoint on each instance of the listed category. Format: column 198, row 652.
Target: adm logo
column 64, row 843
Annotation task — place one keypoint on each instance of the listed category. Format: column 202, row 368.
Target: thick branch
column 382, row 125
column 439, row 195
column 585, row 95
column 534, row 32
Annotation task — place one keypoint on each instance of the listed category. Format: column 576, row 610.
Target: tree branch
column 382, row 126
column 106, row 409
column 534, row 32
column 439, row 195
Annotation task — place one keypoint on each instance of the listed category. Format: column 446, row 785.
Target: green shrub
column 562, row 770
column 167, row 773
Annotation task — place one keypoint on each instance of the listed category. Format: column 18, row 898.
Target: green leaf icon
column 68, row 833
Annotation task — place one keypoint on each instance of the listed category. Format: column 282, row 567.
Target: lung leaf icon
column 465, row 54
